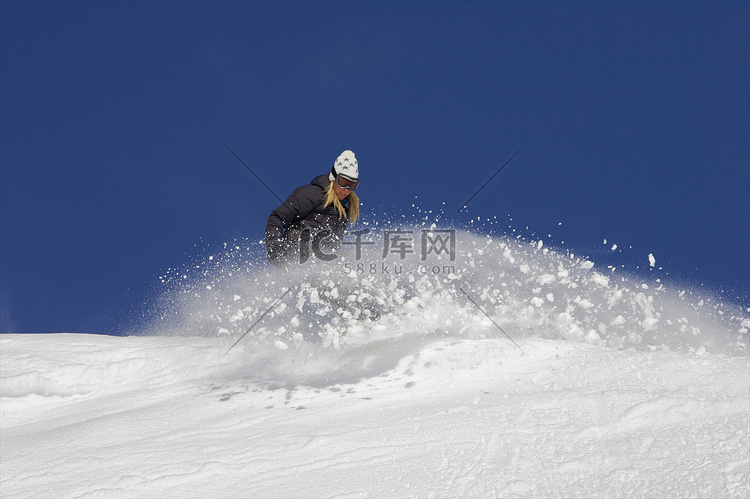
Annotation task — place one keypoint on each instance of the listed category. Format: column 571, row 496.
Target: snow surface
column 512, row 371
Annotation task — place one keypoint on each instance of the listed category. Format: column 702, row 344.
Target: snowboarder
column 315, row 215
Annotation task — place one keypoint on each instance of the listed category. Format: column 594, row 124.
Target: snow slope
column 390, row 385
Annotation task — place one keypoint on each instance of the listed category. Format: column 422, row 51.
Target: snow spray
column 369, row 294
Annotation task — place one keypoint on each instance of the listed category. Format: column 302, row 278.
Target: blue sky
column 634, row 120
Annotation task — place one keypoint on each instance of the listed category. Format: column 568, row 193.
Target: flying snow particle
column 649, row 324
column 651, row 260
column 599, row 279
column 546, row 279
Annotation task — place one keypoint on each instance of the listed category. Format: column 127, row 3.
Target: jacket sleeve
column 290, row 212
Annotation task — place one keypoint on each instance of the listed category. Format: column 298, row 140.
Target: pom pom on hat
column 346, row 165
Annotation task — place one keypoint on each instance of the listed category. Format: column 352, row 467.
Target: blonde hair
column 352, row 200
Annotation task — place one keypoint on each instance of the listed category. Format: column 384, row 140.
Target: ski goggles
column 346, row 183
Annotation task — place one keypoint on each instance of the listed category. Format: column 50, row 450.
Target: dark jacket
column 302, row 210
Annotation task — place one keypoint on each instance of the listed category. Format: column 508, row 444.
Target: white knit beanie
column 346, row 165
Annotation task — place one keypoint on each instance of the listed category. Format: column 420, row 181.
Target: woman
column 319, row 210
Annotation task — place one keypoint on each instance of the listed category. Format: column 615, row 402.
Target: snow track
column 93, row 416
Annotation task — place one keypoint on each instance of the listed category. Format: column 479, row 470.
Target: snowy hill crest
column 389, row 385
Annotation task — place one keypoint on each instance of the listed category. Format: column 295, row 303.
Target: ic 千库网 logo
column 398, row 242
